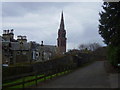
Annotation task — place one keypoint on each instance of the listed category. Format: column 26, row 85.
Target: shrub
column 113, row 55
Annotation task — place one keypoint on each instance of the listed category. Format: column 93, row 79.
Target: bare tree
column 90, row 46
column 94, row 46
column 83, row 46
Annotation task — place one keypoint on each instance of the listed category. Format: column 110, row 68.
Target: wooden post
column 56, row 71
column 45, row 76
column 36, row 79
column 69, row 68
column 63, row 70
column 51, row 73
column 23, row 82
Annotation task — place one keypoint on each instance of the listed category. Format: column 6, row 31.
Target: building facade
column 14, row 51
column 44, row 52
column 21, row 51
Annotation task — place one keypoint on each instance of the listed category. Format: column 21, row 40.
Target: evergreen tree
column 109, row 29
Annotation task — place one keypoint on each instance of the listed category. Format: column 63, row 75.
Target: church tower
column 61, row 40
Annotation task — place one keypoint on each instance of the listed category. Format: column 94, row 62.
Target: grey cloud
column 40, row 21
column 21, row 8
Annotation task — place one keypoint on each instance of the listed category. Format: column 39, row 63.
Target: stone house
column 46, row 52
column 14, row 51
column 19, row 51
column 43, row 52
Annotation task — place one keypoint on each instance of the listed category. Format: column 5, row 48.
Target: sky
column 40, row 21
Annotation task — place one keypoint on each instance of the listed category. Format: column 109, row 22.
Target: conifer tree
column 109, row 29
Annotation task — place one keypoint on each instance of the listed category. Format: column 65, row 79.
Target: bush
column 113, row 55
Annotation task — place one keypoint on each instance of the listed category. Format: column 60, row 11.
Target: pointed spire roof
column 62, row 22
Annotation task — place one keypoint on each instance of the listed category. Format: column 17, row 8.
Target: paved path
column 92, row 76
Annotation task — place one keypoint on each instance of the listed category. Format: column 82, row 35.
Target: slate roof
column 18, row 46
column 1, row 39
column 48, row 48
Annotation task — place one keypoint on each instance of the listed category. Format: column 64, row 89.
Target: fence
column 50, row 68
column 36, row 74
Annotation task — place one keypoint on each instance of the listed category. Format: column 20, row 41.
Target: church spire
column 61, row 40
column 62, row 22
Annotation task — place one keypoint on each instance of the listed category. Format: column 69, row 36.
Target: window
column 18, row 53
column 24, row 53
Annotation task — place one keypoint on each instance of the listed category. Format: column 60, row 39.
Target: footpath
column 92, row 76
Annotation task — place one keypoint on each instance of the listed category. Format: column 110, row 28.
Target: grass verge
column 33, row 82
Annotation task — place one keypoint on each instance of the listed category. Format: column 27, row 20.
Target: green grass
column 33, row 82
column 13, row 82
column 20, row 80
column 18, row 86
column 28, row 84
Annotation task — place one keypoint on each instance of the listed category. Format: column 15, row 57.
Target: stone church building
column 61, row 40
column 19, row 50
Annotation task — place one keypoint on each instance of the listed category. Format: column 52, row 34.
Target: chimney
column 24, row 37
column 19, row 37
column 7, row 32
column 41, row 43
column 8, row 35
column 4, row 31
column 11, row 31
